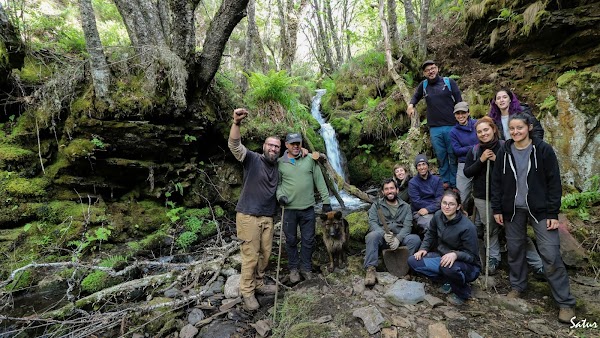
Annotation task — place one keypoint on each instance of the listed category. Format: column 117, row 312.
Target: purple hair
column 513, row 108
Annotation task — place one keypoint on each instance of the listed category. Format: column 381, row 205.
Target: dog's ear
column 323, row 217
column 338, row 215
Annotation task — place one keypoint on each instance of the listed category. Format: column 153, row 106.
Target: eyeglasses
column 270, row 145
column 449, row 204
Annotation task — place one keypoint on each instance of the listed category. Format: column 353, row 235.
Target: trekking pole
column 487, row 222
column 278, row 264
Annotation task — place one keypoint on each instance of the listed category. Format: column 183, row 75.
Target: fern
column 582, row 201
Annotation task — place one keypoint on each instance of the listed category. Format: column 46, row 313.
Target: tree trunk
column 98, row 65
column 388, row 55
column 411, row 25
column 322, row 40
column 284, row 38
column 259, row 55
column 229, row 15
column 393, row 28
column 290, row 15
column 334, row 33
column 423, row 28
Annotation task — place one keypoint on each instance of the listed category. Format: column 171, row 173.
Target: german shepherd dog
column 335, row 236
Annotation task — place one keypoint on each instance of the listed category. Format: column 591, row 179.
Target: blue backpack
column 446, row 81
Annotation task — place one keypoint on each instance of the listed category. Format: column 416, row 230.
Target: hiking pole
column 487, row 222
column 278, row 264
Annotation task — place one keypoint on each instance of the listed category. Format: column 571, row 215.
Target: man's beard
column 394, row 198
column 271, row 158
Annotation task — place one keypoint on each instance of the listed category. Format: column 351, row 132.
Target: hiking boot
column 513, row 294
column 455, row 300
column 266, row 289
column 251, row 303
column 565, row 314
column 371, row 276
column 294, row 276
column 445, row 185
column 445, row 289
column 539, row 274
column 307, row 275
column 492, row 266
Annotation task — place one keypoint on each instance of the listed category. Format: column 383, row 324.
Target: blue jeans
column 458, row 276
column 375, row 242
column 305, row 219
column 440, row 140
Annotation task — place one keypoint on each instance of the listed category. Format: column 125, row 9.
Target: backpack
column 476, row 149
column 446, row 81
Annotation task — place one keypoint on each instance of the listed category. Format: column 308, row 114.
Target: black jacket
column 403, row 188
column 543, row 182
column 477, row 170
column 458, row 235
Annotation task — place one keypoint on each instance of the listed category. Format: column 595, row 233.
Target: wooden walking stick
column 487, row 222
column 278, row 264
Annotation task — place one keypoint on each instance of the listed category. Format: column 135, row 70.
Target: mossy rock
column 583, row 89
column 78, row 148
column 59, row 211
column 14, row 155
column 359, row 170
column 26, row 187
column 34, row 71
column 358, row 224
column 98, row 280
column 22, row 280
column 309, row 329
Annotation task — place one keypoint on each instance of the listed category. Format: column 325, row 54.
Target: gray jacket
column 400, row 223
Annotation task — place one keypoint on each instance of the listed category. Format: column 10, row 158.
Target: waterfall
column 333, row 151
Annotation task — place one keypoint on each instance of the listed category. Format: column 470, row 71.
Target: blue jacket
column 463, row 138
column 425, row 193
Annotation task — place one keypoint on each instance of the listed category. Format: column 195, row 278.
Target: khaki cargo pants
column 257, row 234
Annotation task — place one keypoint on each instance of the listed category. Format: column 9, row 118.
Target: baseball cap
column 293, row 137
column 427, row 63
column 461, row 106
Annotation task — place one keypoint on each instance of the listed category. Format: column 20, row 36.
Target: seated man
column 425, row 191
column 398, row 217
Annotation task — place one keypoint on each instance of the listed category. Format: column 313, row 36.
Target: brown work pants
column 257, row 234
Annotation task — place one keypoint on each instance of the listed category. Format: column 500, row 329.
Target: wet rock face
column 566, row 35
column 573, row 128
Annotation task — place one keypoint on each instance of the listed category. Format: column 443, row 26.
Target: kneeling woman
column 449, row 251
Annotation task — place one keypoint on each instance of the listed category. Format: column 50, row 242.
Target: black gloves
column 283, row 200
column 326, row 208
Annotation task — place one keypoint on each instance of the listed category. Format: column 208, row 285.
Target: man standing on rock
column 398, row 216
column 440, row 95
column 255, row 210
column 299, row 176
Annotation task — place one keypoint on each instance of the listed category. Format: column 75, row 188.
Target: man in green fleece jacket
column 298, row 177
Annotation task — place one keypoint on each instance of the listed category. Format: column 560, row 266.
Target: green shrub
column 186, row 239
column 582, row 201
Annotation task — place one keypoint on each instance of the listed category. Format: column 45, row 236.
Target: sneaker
column 565, row 314
column 445, row 289
column 251, row 303
column 455, row 300
column 445, row 185
column 493, row 265
column 513, row 294
column 371, row 276
column 294, row 276
column 307, row 275
column 266, row 289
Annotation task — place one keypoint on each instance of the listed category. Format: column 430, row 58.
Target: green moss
column 97, row 281
column 358, row 170
column 154, row 240
column 129, row 95
column 34, row 71
column 309, row 329
column 358, row 225
column 83, row 104
column 26, row 187
column 22, row 280
column 78, row 148
column 13, row 153
column 566, row 78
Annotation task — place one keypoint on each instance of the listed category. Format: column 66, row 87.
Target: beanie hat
column 421, row 158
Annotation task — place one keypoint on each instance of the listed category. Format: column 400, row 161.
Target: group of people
column 499, row 160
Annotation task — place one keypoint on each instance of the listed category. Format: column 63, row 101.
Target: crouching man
column 398, row 216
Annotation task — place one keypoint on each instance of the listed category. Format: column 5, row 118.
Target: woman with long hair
column 505, row 104
column 401, row 175
column 526, row 186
